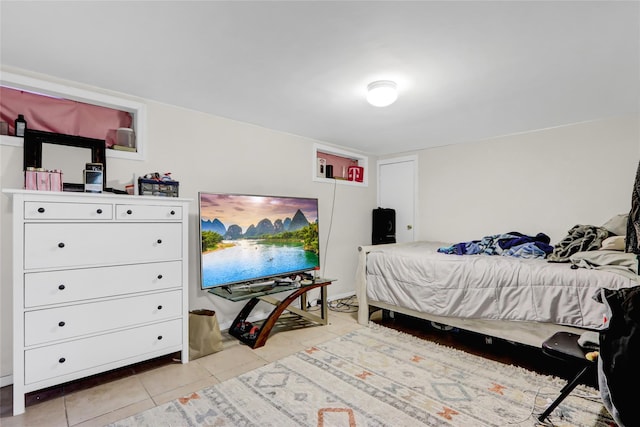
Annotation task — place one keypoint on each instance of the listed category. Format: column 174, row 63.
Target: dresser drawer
column 71, row 211
column 42, row 326
column 84, row 244
column 63, row 286
column 147, row 212
column 70, row 357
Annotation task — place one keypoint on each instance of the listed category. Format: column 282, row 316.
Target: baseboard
column 6, row 380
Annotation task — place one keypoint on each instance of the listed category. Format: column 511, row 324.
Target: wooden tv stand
column 256, row 336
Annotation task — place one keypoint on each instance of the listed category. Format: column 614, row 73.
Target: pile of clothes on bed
column 513, row 244
column 581, row 238
column 584, row 246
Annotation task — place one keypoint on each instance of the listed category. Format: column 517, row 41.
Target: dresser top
column 97, row 197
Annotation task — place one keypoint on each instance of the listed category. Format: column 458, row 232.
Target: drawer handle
column 159, row 241
column 61, row 287
column 99, row 211
column 159, row 276
column 61, row 245
column 159, row 307
column 159, row 337
column 41, row 210
column 62, row 360
column 173, row 212
column 61, row 324
column 129, row 211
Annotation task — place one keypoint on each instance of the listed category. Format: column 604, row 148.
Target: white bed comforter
column 415, row 276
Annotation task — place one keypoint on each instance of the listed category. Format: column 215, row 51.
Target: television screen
column 247, row 238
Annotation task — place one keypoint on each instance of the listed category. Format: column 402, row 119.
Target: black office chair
column 564, row 346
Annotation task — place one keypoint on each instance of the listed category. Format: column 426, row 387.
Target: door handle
column 409, row 227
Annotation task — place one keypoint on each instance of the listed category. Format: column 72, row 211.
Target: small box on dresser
column 99, row 282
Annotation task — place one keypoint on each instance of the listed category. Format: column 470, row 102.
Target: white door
column 397, row 189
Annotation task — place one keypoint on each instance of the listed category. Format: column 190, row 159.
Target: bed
column 520, row 300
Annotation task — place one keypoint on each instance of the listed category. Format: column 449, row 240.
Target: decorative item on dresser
column 99, row 281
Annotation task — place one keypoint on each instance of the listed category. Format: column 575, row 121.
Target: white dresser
column 99, row 282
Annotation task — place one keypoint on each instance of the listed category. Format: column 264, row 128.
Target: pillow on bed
column 617, row 225
column 613, row 243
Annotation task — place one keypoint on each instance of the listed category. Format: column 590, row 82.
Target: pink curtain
column 59, row 115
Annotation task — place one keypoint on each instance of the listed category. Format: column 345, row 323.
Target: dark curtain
column 633, row 223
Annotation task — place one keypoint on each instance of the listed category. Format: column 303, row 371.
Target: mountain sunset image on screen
column 246, row 238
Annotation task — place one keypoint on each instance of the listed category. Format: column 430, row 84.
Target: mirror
column 65, row 152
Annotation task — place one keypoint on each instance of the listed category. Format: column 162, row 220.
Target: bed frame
column 528, row 333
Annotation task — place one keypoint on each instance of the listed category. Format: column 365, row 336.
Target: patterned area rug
column 380, row 377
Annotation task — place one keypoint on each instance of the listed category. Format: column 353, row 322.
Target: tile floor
column 109, row 397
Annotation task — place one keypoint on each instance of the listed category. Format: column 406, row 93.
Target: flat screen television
column 249, row 239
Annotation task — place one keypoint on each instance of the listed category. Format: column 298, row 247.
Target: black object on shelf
column 329, row 171
column 20, row 125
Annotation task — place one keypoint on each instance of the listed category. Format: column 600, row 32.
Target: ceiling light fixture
column 382, row 93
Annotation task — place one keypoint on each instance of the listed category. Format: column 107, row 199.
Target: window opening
column 64, row 116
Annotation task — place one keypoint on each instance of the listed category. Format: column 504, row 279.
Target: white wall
column 546, row 181
column 207, row 153
column 543, row 181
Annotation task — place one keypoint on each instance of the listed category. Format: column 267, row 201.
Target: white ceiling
column 465, row 70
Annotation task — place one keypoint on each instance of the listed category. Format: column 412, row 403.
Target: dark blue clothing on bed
column 513, row 244
column 521, row 239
